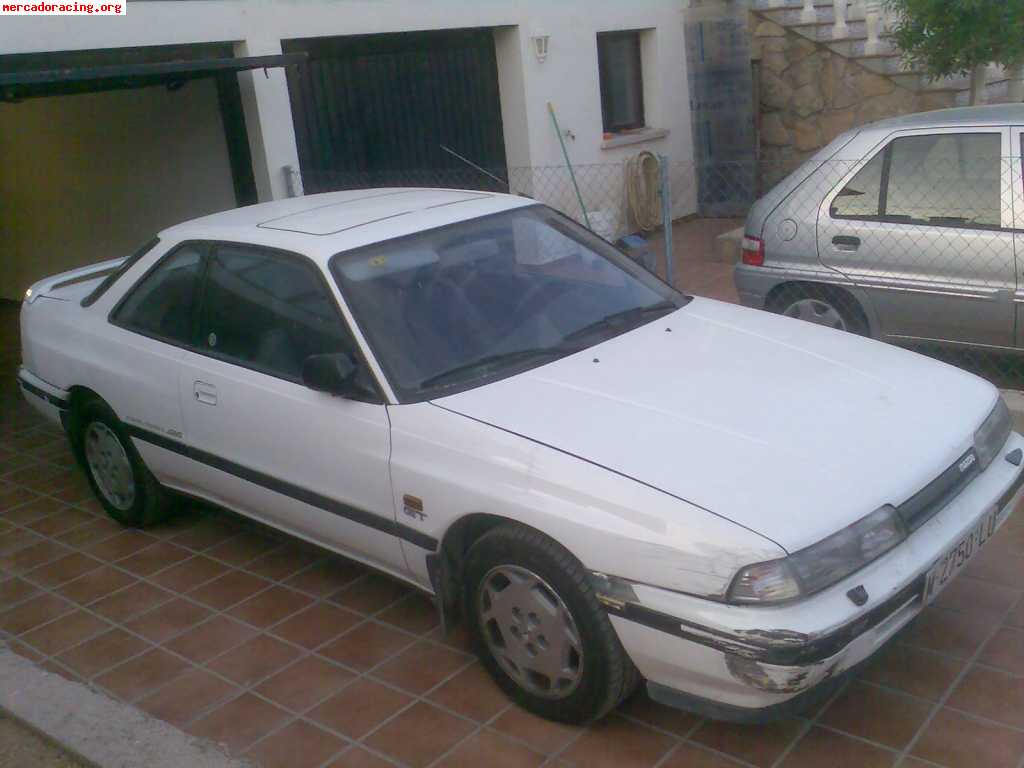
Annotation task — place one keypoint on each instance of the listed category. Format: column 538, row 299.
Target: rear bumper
column 751, row 664
column 754, row 283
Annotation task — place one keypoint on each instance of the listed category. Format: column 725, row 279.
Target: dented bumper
column 752, row 663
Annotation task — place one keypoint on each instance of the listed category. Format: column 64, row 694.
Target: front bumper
column 751, row 663
column 49, row 400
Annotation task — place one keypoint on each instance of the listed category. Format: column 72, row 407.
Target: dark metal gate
column 374, row 110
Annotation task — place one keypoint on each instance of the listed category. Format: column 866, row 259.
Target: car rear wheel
column 119, row 478
column 833, row 309
column 539, row 629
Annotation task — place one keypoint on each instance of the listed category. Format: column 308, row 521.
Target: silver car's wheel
column 817, row 312
column 530, row 632
column 110, row 467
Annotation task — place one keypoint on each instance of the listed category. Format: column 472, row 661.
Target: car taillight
column 753, row 251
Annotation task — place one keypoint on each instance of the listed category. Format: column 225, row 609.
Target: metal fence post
column 666, row 215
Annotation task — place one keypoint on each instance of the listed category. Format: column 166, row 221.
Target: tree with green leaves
column 959, row 37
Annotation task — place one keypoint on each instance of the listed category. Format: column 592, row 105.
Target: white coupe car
column 608, row 480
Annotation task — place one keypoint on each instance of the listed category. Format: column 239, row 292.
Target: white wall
column 568, row 78
column 92, row 176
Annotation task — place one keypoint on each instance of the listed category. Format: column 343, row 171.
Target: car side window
column 949, row 178
column 859, row 199
column 164, row 302
column 269, row 311
column 946, row 179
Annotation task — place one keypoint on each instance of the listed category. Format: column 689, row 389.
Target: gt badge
column 412, row 506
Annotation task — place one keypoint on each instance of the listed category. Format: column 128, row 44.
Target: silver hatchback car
column 908, row 230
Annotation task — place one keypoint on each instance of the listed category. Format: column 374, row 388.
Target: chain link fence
column 916, row 246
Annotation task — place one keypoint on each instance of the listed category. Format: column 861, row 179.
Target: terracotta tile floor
column 295, row 657
column 693, row 272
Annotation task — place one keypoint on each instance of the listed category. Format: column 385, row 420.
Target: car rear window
column 110, row 279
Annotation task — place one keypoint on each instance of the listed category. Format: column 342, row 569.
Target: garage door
column 100, row 149
column 375, row 110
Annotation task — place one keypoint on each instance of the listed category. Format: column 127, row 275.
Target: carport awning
column 55, row 82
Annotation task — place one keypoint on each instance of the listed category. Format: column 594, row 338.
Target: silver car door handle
column 846, row 243
column 205, row 393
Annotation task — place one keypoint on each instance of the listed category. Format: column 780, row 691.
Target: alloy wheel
column 530, row 632
column 110, row 467
column 817, row 312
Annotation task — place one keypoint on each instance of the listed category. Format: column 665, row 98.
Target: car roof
column 324, row 224
column 989, row 114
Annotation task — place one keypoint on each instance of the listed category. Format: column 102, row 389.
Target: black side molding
column 277, row 485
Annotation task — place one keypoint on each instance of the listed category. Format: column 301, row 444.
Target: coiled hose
column 642, row 199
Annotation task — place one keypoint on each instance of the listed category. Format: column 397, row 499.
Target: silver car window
column 945, row 178
column 860, row 197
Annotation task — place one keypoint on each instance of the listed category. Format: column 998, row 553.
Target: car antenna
column 474, row 166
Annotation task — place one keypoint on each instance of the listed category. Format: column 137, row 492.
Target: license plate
column 950, row 564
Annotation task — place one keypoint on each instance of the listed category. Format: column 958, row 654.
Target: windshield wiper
column 562, row 349
column 515, row 356
column 623, row 318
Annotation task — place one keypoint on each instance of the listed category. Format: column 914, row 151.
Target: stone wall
column 809, row 95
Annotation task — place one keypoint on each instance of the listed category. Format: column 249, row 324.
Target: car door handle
column 205, row 393
column 846, row 242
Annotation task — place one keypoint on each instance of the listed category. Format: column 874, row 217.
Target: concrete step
column 728, row 246
column 855, row 49
column 826, row 33
column 997, row 92
column 954, row 83
column 910, row 80
column 765, row 6
column 887, row 64
column 789, row 17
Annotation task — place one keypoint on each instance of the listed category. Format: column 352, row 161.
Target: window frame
column 604, row 74
column 130, row 291
column 108, row 280
column 195, row 344
column 885, row 148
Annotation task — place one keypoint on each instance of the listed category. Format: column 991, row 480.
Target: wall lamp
column 540, row 46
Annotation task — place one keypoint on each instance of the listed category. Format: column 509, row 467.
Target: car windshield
column 452, row 308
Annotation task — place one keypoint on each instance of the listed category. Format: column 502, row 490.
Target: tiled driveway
column 299, row 658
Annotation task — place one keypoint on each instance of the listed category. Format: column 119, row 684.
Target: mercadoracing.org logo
column 63, row 9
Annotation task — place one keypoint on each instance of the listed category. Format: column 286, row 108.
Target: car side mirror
column 333, row 373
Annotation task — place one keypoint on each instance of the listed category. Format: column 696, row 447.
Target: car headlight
column 993, row 433
column 820, row 565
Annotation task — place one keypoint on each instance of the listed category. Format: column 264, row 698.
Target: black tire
column 845, row 306
column 607, row 674
column 150, row 502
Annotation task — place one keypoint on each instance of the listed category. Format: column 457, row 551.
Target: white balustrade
column 839, row 28
column 1015, row 90
column 979, row 76
column 873, row 22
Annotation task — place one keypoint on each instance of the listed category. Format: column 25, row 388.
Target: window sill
column 639, row 137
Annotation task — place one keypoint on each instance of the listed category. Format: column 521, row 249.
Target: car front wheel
column 539, row 629
column 122, row 483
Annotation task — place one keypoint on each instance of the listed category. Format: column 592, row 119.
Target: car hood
column 786, row 428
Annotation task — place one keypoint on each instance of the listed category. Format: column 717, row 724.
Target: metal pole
column 572, row 173
column 666, row 216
